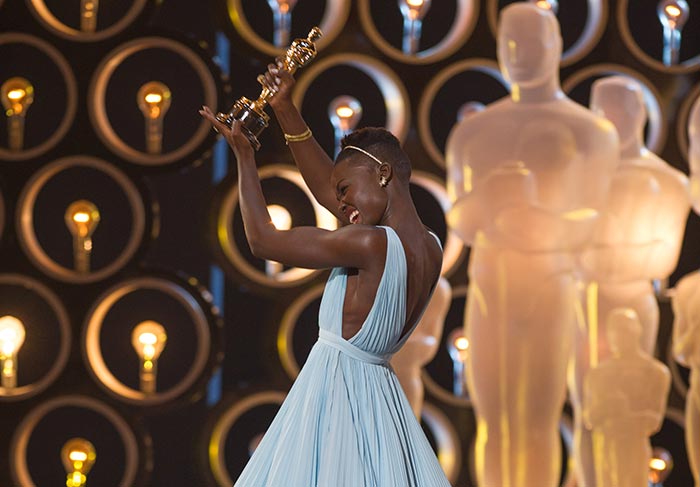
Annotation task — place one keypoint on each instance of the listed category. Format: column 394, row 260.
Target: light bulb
column 282, row 220
column 11, row 339
column 660, row 466
column 82, row 218
column 413, row 12
column 148, row 339
column 458, row 348
column 458, row 345
column 88, row 15
column 78, row 456
column 552, row 5
column 673, row 14
column 468, row 109
column 414, row 9
column 282, row 18
column 17, row 95
column 344, row 113
column 154, row 99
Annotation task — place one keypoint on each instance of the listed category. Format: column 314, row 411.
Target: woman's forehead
column 348, row 165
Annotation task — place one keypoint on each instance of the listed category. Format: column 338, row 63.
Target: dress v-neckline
column 379, row 286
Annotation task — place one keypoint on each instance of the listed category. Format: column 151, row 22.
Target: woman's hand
column 238, row 142
column 280, row 82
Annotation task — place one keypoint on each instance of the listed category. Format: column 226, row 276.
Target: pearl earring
column 383, row 181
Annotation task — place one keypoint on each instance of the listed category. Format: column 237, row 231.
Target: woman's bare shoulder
column 368, row 237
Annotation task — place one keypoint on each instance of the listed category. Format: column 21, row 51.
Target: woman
column 345, row 422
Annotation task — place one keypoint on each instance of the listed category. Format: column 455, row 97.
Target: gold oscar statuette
column 252, row 114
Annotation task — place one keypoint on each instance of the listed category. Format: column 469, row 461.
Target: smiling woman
column 346, row 420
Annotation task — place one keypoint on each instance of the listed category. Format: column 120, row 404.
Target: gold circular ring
column 689, row 66
column 454, row 250
column 71, row 95
column 462, row 27
column 93, row 326
column 331, row 25
column 98, row 92
column 432, row 386
column 44, row 15
column 285, row 334
column 396, row 100
column 54, row 302
column 217, row 442
column 227, row 241
column 449, row 449
column 20, row 440
column 682, row 122
column 486, row 66
column 25, row 219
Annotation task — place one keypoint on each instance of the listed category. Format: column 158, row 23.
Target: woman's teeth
column 354, row 216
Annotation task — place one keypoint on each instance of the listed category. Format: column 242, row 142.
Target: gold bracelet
column 305, row 135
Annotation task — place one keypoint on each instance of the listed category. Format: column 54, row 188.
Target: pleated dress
column 346, row 421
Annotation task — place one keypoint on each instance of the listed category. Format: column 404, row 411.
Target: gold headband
column 364, row 152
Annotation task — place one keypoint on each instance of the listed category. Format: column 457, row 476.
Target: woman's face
column 361, row 199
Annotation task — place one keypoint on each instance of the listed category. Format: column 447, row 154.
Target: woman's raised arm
column 313, row 162
column 358, row 246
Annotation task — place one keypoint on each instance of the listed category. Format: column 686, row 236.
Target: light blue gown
column 346, row 421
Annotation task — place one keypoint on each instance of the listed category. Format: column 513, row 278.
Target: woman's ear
column 385, row 172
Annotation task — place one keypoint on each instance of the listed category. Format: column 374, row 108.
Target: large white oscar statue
column 528, row 176
column 686, row 350
column 638, row 238
column 686, row 309
column 625, row 401
column 694, row 154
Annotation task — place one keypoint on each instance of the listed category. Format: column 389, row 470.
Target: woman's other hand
column 280, row 82
column 238, row 142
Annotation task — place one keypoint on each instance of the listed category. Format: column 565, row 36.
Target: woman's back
column 423, row 258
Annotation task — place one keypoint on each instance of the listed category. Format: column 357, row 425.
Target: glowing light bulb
column 88, row 15
column 416, row 9
column 82, row 218
column 673, row 14
column 551, row 5
column 468, row 109
column 458, row 348
column 78, row 456
column 413, row 12
column 17, row 95
column 11, row 339
column 344, row 113
column 148, row 339
column 154, row 99
column 282, row 220
column 282, row 19
column 660, row 466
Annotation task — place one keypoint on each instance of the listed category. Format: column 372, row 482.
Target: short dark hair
column 380, row 143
